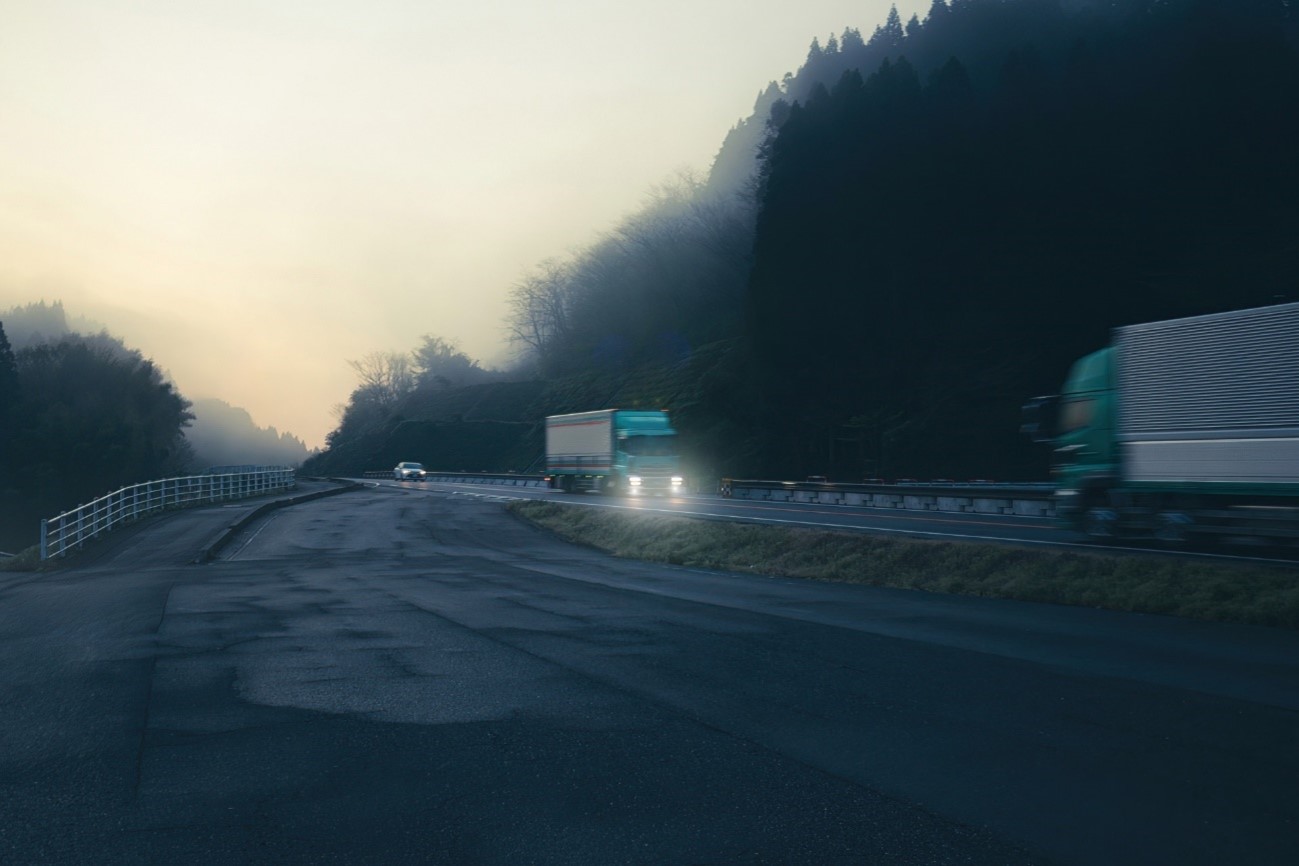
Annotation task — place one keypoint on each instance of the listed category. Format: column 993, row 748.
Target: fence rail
column 71, row 529
column 980, row 497
column 512, row 479
column 1028, row 499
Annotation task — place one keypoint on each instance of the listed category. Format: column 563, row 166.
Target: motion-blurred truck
column 613, row 451
column 1181, row 428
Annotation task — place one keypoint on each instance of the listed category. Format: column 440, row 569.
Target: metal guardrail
column 71, row 529
column 511, row 479
column 1031, row 499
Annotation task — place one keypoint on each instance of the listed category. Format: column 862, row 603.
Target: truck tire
column 1173, row 528
column 1101, row 523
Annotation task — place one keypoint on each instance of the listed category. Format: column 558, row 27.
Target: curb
column 209, row 552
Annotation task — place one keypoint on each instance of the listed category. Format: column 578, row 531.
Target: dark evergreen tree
column 9, row 394
column 8, row 376
column 891, row 34
column 927, row 258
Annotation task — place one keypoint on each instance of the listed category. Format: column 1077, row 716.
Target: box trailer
column 1181, row 427
column 613, row 451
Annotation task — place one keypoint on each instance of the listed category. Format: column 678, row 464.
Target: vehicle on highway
column 613, row 451
column 1180, row 428
column 409, row 472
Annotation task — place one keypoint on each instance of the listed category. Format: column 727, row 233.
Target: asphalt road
column 1016, row 529
column 946, row 524
column 412, row 675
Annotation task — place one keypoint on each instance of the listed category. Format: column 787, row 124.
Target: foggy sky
column 252, row 192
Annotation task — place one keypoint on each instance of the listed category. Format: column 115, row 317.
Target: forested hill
column 80, row 415
column 225, row 435
column 936, row 244
column 940, row 218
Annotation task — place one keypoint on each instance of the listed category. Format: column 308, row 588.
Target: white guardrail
column 71, row 529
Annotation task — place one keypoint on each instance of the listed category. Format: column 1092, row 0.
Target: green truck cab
column 1181, row 428
column 613, row 451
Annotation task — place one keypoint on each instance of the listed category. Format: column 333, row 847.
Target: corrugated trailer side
column 1211, row 402
column 580, row 442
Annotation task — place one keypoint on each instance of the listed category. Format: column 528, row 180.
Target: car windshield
column 412, row 466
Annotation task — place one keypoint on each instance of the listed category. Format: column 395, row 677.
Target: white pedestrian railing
column 71, row 529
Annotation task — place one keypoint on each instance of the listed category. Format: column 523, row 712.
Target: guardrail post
column 45, row 547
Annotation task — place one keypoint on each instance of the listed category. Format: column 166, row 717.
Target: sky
column 252, row 192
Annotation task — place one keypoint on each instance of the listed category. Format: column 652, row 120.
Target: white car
column 408, row 472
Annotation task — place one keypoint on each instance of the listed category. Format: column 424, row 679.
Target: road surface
column 412, row 675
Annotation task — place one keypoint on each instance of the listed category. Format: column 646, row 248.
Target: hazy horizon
column 252, row 194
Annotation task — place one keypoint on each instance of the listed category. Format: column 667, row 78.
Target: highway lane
column 1038, row 532
column 987, row 527
column 411, row 675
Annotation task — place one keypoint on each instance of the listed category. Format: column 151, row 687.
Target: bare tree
column 540, row 307
column 385, row 377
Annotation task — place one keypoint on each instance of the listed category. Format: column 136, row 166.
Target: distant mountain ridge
column 226, row 435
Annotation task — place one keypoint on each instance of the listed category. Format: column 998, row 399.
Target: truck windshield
column 1077, row 414
column 650, row 446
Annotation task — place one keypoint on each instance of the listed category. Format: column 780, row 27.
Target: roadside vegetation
column 1248, row 594
column 26, row 560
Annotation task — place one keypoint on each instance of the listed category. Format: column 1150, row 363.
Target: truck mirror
column 1037, row 418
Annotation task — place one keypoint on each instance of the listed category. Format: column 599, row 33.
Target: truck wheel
column 1173, row 528
column 1101, row 523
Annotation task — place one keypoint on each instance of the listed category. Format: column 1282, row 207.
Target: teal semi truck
column 1181, row 428
column 613, row 451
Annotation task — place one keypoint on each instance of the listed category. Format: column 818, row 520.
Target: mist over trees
column 667, row 279
column 391, row 385
column 80, row 416
column 40, row 322
column 922, row 228
column 224, row 435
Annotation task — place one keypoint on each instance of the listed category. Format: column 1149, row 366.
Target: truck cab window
column 1077, row 414
column 650, row 446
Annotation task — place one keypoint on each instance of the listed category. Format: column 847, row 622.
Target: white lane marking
column 253, row 537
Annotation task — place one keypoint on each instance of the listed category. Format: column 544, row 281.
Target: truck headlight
column 633, row 480
column 677, row 481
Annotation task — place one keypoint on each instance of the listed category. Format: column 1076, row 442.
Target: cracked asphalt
column 403, row 675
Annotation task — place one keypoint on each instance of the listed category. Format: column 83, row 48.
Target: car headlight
column 677, row 481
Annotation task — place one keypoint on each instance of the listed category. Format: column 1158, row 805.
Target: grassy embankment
column 1240, row 593
column 26, row 560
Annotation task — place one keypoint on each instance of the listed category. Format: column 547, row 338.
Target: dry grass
column 1253, row 594
column 26, row 560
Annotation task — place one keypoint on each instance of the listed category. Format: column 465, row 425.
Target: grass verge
column 26, row 560
column 1222, row 592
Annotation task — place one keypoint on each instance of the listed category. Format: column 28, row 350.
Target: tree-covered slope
column 933, row 249
column 944, row 215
